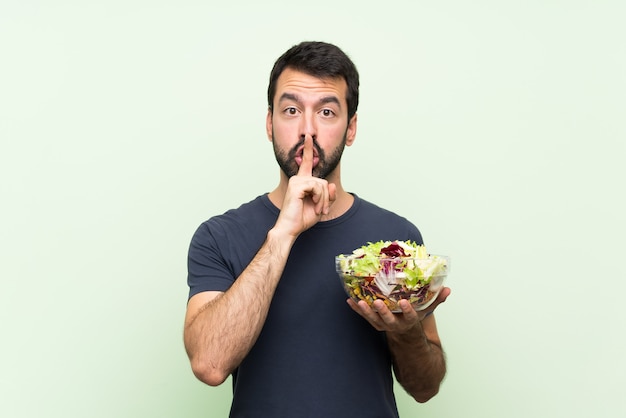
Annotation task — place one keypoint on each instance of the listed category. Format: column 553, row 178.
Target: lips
column 316, row 160
column 300, row 152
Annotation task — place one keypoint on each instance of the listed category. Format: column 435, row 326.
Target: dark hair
column 322, row 60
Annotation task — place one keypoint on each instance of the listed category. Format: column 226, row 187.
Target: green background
column 497, row 127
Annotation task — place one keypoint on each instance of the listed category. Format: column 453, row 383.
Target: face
column 306, row 105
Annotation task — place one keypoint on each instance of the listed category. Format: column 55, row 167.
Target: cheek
column 280, row 136
column 333, row 133
column 284, row 128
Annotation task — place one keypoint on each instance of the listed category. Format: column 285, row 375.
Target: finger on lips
column 306, row 166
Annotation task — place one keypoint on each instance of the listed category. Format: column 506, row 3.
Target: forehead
column 293, row 81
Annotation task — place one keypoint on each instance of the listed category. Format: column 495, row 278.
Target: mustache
column 293, row 151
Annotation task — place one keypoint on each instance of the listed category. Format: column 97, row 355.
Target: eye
column 290, row 111
column 327, row 113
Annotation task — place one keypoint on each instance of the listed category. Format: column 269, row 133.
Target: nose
column 308, row 126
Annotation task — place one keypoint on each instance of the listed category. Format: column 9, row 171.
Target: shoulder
column 235, row 229
column 257, row 211
column 224, row 244
column 383, row 223
column 367, row 208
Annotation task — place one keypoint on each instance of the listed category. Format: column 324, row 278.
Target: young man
column 266, row 305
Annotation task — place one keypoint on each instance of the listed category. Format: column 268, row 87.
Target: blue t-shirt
column 314, row 357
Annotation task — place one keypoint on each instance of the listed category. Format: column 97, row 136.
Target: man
column 266, row 305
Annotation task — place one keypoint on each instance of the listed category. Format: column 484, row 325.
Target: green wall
column 125, row 124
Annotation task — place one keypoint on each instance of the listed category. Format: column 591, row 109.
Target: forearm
column 221, row 332
column 418, row 362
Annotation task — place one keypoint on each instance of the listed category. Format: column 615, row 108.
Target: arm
column 216, row 338
column 414, row 343
column 418, row 359
column 221, row 327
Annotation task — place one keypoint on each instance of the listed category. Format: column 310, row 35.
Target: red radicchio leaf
column 393, row 250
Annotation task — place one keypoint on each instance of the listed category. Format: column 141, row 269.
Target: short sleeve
column 206, row 265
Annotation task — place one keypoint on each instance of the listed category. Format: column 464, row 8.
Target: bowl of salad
column 392, row 271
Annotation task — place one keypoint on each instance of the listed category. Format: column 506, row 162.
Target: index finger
column 306, row 165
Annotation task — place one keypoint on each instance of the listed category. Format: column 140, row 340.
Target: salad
column 392, row 270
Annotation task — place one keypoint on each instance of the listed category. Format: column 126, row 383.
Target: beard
column 326, row 165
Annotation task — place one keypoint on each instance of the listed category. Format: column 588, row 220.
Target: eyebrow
column 294, row 98
column 330, row 99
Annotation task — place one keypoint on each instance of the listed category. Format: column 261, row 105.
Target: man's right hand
column 307, row 199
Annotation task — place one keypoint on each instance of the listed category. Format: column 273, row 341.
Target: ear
column 268, row 125
column 351, row 131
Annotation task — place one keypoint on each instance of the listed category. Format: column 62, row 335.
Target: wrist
column 279, row 242
column 413, row 335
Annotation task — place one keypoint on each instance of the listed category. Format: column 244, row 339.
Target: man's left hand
column 381, row 318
